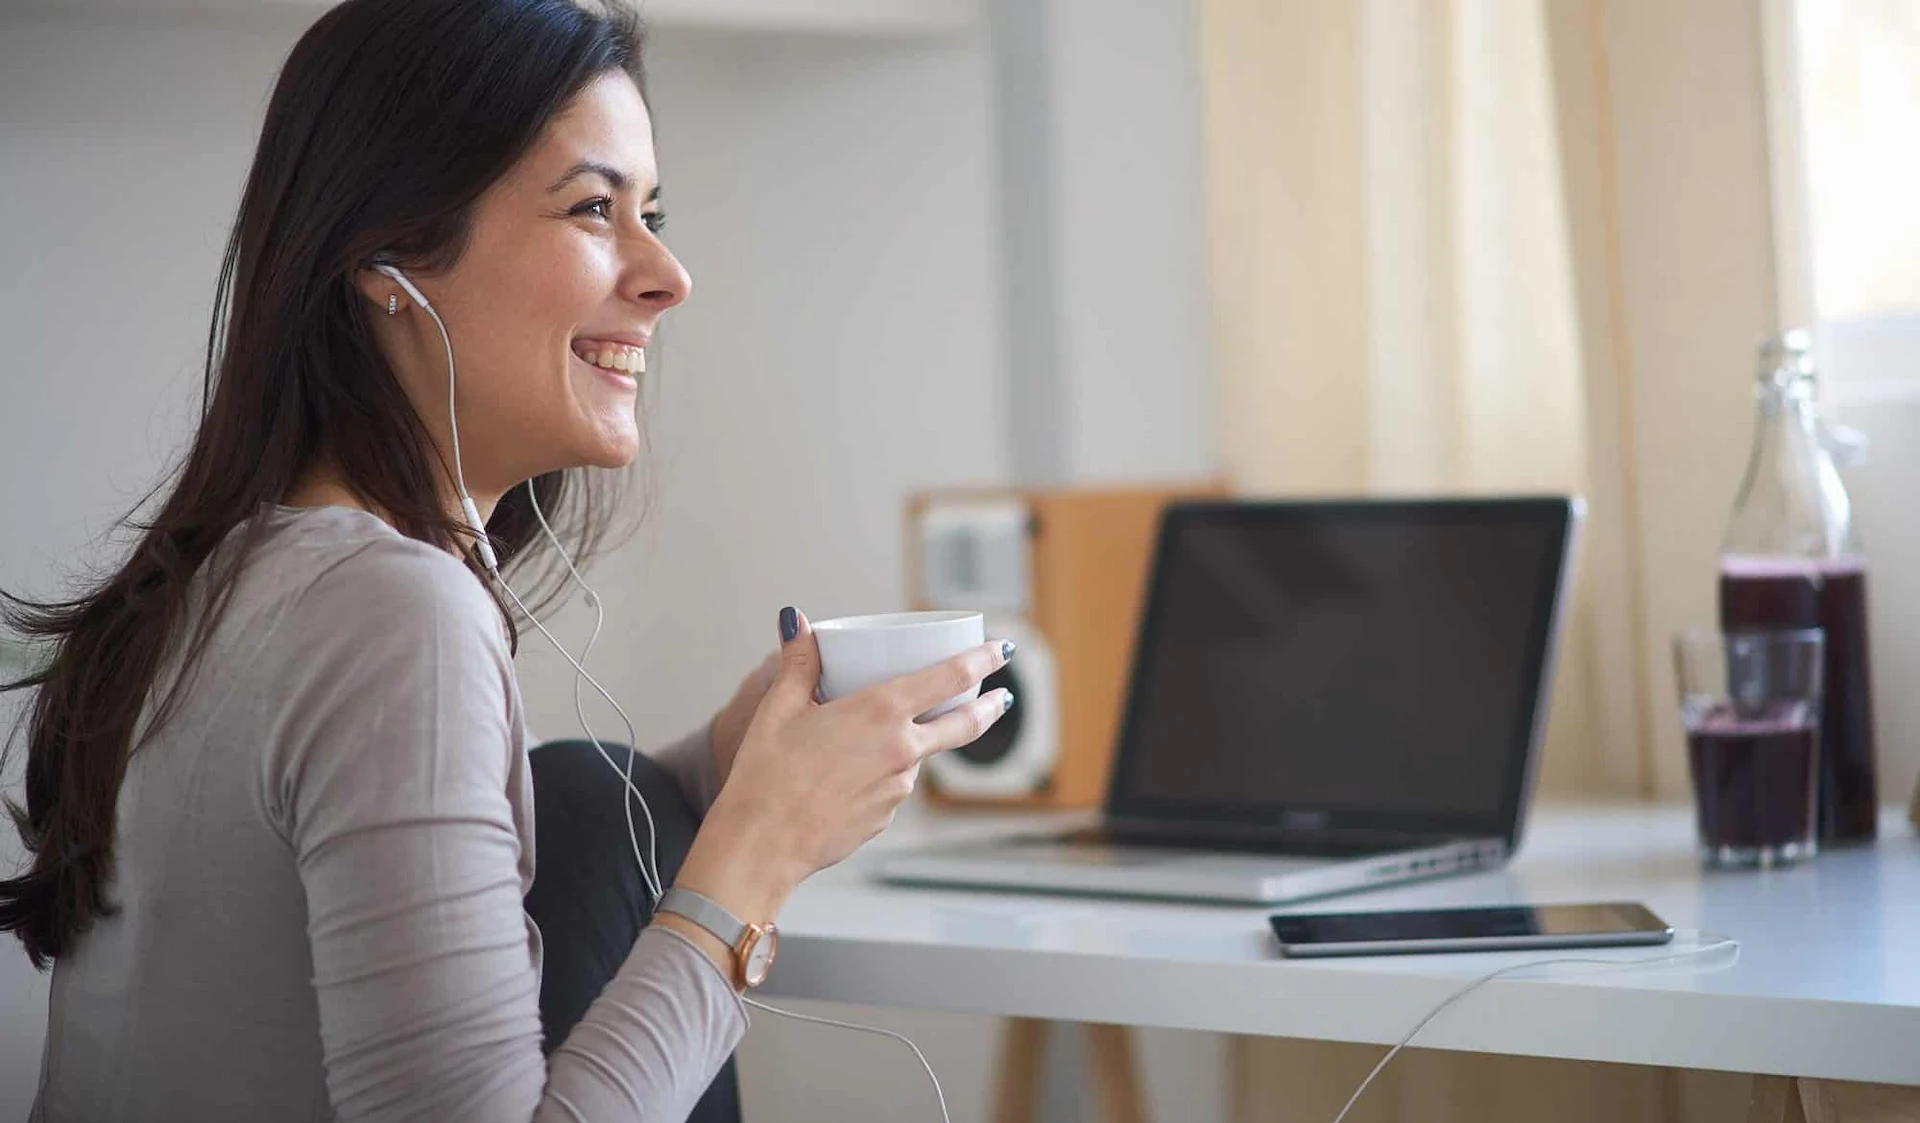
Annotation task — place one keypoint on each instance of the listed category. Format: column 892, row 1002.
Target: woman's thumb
column 799, row 656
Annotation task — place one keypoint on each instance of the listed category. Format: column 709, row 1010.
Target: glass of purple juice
column 1751, row 704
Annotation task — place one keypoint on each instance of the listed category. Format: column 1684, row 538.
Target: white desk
column 1827, row 983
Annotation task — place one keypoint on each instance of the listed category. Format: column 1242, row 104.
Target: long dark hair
column 388, row 121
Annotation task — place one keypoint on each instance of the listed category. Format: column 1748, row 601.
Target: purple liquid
column 1753, row 781
column 1791, row 593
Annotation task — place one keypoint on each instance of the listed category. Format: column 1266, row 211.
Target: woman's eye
column 656, row 220
column 601, row 207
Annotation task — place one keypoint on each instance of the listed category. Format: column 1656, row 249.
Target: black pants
column 588, row 897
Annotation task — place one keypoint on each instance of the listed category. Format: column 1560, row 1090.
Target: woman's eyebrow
column 620, row 180
column 613, row 175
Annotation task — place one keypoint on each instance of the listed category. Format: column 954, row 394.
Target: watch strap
column 705, row 912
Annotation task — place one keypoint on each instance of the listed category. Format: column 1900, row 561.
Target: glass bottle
column 1791, row 559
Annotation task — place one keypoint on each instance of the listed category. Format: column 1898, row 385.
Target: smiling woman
column 280, row 797
column 218, row 962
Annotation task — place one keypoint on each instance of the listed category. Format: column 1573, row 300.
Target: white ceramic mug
column 861, row 651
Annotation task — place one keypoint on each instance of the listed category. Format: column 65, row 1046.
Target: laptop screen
column 1333, row 668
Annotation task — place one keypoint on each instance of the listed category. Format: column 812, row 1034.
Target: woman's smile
column 616, row 360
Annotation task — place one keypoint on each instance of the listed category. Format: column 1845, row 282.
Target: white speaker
column 973, row 555
column 1017, row 756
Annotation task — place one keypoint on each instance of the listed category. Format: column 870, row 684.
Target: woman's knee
column 579, row 808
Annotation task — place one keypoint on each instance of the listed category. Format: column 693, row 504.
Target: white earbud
column 401, row 279
column 467, row 505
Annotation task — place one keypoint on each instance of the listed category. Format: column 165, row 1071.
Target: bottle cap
column 1790, row 352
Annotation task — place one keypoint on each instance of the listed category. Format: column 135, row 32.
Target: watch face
column 760, row 957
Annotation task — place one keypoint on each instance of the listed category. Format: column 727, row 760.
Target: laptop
column 1324, row 696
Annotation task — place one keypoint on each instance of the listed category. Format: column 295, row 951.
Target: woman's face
column 562, row 281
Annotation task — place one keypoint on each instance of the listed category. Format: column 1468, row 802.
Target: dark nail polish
column 1006, row 649
column 1006, row 702
column 789, row 624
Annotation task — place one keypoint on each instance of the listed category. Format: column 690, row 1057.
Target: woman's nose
column 657, row 278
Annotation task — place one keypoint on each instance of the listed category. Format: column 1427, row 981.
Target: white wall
column 1883, row 495
column 1124, row 87
column 1099, row 127
column 835, row 199
column 122, row 150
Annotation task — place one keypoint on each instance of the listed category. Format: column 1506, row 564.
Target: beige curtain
column 1504, row 245
column 1488, row 245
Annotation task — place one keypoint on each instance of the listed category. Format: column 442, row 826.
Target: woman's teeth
column 632, row 360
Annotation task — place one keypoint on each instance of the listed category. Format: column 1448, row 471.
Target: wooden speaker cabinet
column 1062, row 572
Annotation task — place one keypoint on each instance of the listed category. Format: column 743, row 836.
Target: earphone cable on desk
column 1718, row 943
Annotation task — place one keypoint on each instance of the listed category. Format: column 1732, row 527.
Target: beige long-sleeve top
column 319, row 868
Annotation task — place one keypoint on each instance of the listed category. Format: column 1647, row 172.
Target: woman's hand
column 811, row 782
column 730, row 724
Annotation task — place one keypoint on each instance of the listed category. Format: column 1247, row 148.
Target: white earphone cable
column 626, row 775
column 474, row 523
column 1718, row 943
column 649, row 871
column 937, row 1093
column 459, row 473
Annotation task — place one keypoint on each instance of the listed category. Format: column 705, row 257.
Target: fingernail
column 789, row 624
column 1006, row 702
column 1006, row 649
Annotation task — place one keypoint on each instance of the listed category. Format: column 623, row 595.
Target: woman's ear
column 380, row 290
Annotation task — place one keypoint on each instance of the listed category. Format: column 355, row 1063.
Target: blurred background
column 1301, row 246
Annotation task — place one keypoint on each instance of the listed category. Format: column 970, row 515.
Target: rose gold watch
column 754, row 945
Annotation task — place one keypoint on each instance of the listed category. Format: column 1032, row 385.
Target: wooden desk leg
column 1774, row 1099
column 1116, row 1073
column 1023, row 1048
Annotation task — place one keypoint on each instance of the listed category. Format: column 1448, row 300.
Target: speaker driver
column 1017, row 756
